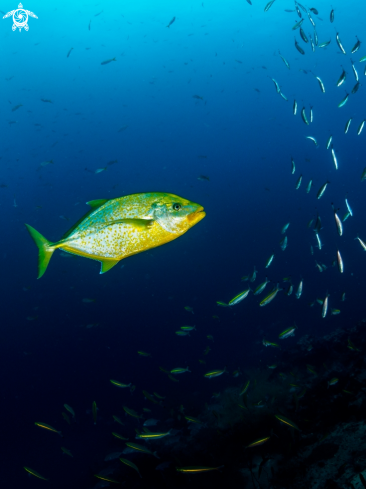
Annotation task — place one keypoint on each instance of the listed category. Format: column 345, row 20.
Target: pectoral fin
column 107, row 265
column 139, row 224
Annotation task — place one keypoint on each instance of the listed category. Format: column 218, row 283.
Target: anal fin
column 107, row 265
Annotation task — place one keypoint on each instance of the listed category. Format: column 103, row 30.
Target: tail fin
column 45, row 251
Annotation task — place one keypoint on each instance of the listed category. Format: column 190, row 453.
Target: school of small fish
column 117, row 228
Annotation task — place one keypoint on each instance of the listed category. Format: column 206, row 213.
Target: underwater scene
column 183, row 244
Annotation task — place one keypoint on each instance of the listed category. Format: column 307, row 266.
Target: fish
column 311, row 114
column 283, row 243
column 188, row 328
column 335, row 312
column 312, row 44
column 322, row 190
column 186, row 333
column 294, row 107
column 334, row 159
column 347, row 125
column 108, row 61
column 261, row 287
column 171, row 22
column 340, row 44
column 331, row 16
column 341, row 79
column 117, row 435
column 130, row 464
column 278, row 89
column 152, row 436
column 105, row 478
column 299, row 48
column 287, row 333
column 324, row 44
column 269, row 5
column 363, row 176
column 360, row 127
column 68, row 54
column 299, row 289
column 354, row 71
column 214, row 373
column 269, row 261
column 119, row 384
column 325, row 306
column 338, row 221
column 286, row 421
column 321, row 84
column 292, row 166
column 362, row 243
column 16, row 107
column 355, row 88
column 238, row 298
column 284, row 60
column 131, row 412
column 48, row 427
column 311, row 19
column 244, row 388
column 333, row 381
column 141, row 448
column 329, row 142
column 269, row 343
column 258, row 442
column 340, row 262
column 36, row 474
column 269, row 298
column 179, row 370
column 308, row 188
column 151, row 422
column 253, row 276
column 318, row 240
column 297, row 25
column 284, row 96
column 191, row 419
column 312, row 139
column 70, row 409
column 303, row 116
column 144, row 353
column 303, row 35
column 117, row 228
column 200, row 469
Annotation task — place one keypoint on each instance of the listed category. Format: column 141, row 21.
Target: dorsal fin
column 97, row 203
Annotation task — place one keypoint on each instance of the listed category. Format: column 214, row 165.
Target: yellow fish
column 116, row 228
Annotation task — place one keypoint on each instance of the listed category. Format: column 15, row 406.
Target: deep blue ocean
column 178, row 103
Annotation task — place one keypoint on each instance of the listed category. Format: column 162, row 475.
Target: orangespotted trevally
column 116, row 228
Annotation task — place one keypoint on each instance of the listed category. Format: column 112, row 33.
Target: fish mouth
column 196, row 216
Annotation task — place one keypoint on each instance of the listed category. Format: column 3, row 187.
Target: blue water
column 141, row 111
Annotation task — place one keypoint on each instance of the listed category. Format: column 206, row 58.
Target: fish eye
column 177, row 207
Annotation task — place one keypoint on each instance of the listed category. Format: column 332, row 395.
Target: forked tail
column 45, row 250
